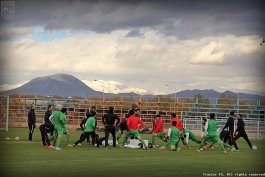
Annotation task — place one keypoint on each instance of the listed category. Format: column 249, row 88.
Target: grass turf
column 21, row 158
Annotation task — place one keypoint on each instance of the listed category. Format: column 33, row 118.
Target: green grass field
column 21, row 158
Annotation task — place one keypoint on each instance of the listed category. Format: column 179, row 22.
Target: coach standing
column 31, row 121
column 110, row 121
column 230, row 125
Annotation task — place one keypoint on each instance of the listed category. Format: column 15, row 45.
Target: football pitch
column 21, row 158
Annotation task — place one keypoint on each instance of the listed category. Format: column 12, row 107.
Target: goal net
column 4, row 110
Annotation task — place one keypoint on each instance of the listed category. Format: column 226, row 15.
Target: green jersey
column 59, row 118
column 174, row 133
column 90, row 124
column 212, row 126
column 188, row 131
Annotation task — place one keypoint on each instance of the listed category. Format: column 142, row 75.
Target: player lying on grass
column 133, row 124
column 211, row 127
column 158, row 130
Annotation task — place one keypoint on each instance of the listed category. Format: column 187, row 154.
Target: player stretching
column 45, row 129
column 211, row 127
column 90, row 129
column 132, row 124
column 158, row 130
column 190, row 135
column 174, row 135
column 240, row 132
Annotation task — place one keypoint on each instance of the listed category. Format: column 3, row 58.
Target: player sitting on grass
column 158, row 130
column 133, row 123
column 211, row 131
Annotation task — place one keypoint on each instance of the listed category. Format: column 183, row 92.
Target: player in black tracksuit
column 48, row 113
column 110, row 121
column 31, row 121
column 230, row 125
column 83, row 123
column 45, row 129
column 240, row 132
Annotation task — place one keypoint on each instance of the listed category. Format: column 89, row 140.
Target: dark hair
column 64, row 110
column 31, row 105
column 137, row 109
column 240, row 115
column 212, row 115
column 93, row 113
column 204, row 119
column 174, row 123
column 49, row 107
column 158, row 115
column 111, row 109
column 93, row 107
column 131, row 112
column 174, row 115
column 232, row 113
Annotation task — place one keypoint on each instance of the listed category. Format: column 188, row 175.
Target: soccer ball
column 17, row 138
column 110, row 142
column 254, row 147
column 103, row 143
column 8, row 138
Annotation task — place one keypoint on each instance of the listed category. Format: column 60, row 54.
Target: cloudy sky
column 199, row 44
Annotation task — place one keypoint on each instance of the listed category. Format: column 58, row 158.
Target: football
column 254, row 147
column 17, row 138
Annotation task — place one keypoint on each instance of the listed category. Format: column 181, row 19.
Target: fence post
column 258, row 130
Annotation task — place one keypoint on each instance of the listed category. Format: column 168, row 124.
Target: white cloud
column 205, row 61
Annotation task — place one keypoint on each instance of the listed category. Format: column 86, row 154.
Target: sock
column 185, row 142
column 166, row 145
column 54, row 141
column 202, row 143
column 153, row 140
column 118, row 138
column 227, row 145
column 142, row 141
column 68, row 138
column 124, row 141
column 222, row 146
column 58, row 142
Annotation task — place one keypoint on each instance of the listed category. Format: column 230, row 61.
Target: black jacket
column 46, row 117
column 83, row 123
column 230, row 124
column 110, row 118
column 240, row 126
column 31, row 117
column 123, row 125
column 47, row 127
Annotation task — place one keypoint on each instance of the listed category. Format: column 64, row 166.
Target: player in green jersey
column 211, row 130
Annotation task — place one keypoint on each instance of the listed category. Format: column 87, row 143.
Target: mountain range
column 64, row 84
